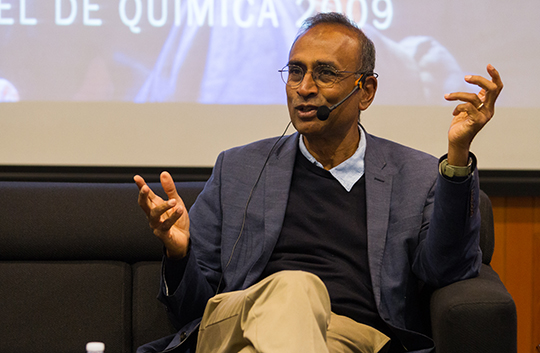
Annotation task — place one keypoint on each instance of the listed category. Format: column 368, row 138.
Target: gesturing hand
column 168, row 219
column 472, row 115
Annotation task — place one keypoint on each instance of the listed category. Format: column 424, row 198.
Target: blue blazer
column 423, row 230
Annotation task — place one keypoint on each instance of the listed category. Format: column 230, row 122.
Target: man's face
column 336, row 46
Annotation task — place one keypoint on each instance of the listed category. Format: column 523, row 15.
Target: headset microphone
column 323, row 112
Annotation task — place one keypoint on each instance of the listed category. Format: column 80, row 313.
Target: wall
column 517, row 261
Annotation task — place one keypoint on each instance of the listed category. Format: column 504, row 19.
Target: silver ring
column 480, row 106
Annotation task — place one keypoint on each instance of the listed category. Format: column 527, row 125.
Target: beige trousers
column 286, row 312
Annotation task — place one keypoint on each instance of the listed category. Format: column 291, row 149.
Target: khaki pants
column 286, row 312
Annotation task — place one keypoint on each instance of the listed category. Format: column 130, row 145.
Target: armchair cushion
column 476, row 315
column 59, row 306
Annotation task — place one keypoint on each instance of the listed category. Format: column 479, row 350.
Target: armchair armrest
column 475, row 315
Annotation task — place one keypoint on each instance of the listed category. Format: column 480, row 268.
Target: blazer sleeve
column 449, row 249
column 200, row 272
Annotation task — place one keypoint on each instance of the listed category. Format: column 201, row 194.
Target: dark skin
column 332, row 141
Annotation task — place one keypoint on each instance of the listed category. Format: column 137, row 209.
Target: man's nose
column 307, row 85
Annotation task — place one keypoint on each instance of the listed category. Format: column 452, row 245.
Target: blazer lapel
column 378, row 197
column 276, row 182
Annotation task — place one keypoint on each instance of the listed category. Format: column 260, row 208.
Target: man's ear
column 367, row 93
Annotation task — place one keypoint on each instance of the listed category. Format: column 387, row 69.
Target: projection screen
column 174, row 82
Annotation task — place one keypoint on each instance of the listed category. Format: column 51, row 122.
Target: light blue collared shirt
column 350, row 170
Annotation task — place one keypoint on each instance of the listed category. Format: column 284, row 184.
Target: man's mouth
column 306, row 110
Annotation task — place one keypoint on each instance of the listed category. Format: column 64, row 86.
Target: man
column 322, row 241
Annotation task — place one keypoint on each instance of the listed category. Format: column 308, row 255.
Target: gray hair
column 367, row 48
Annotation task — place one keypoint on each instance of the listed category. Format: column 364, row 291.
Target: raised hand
column 472, row 115
column 168, row 219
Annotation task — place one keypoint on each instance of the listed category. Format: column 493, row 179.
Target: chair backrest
column 79, row 263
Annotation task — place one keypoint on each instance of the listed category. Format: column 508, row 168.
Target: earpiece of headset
column 362, row 79
column 360, row 82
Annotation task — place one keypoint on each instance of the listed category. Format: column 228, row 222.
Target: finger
column 143, row 199
column 471, row 98
column 147, row 199
column 468, row 111
column 495, row 76
column 490, row 88
column 139, row 181
column 171, row 220
column 144, row 188
column 161, row 212
column 482, row 82
column 495, row 84
column 489, row 92
column 168, row 185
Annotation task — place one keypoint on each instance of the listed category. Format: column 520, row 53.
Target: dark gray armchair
column 477, row 315
column 78, row 263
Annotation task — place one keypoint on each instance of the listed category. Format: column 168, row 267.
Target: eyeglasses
column 323, row 75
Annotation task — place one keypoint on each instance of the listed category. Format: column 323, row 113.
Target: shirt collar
column 349, row 171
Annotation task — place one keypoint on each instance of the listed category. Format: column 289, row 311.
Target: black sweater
column 325, row 233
